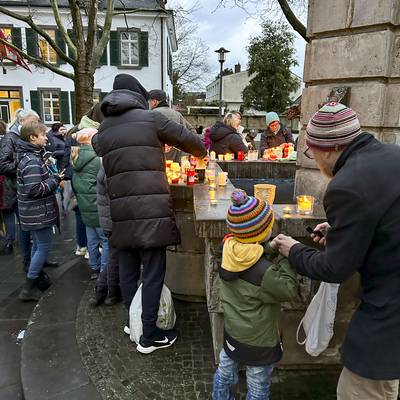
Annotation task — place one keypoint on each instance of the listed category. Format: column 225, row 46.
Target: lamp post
column 221, row 58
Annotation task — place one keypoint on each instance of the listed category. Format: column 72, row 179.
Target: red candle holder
column 240, row 155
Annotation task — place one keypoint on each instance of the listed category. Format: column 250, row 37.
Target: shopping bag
column 166, row 313
column 318, row 321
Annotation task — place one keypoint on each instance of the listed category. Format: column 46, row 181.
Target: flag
column 7, row 53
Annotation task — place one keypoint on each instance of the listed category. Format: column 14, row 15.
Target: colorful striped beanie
column 249, row 219
column 334, row 126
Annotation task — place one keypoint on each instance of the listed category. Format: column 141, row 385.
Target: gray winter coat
column 103, row 201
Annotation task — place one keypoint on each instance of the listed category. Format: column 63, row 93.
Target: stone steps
column 51, row 366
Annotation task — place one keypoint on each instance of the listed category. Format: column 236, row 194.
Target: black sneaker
column 161, row 340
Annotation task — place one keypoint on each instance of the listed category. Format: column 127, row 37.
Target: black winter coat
column 103, row 201
column 225, row 139
column 8, row 168
column 56, row 145
column 269, row 139
column 362, row 204
column 131, row 141
column 37, row 203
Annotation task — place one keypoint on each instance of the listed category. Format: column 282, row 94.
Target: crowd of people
column 110, row 169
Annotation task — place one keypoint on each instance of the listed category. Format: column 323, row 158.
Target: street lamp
column 221, row 58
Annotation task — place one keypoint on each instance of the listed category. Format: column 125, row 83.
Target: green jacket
column 84, row 180
column 252, row 300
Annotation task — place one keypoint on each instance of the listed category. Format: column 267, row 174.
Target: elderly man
column 362, row 204
column 158, row 102
column 8, row 168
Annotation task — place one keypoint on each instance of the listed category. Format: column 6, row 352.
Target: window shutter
column 35, row 102
column 144, row 49
column 114, row 48
column 73, row 107
column 103, row 59
column 16, row 37
column 64, row 106
column 62, row 45
column 102, row 95
column 31, row 42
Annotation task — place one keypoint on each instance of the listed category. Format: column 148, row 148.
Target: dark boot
column 8, row 249
column 30, row 292
column 25, row 263
column 98, row 298
column 114, row 297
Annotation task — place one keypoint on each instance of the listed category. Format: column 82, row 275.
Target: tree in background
column 225, row 72
column 190, row 65
column 271, row 56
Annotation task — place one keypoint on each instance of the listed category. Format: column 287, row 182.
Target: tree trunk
column 84, row 85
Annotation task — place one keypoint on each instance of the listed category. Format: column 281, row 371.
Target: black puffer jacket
column 269, row 139
column 8, row 168
column 131, row 141
column 103, row 201
column 37, row 203
column 225, row 139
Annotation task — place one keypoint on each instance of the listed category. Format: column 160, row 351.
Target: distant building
column 141, row 43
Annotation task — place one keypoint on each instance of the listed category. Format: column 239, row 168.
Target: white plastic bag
column 319, row 319
column 166, row 313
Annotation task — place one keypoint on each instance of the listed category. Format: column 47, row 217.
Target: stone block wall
column 354, row 43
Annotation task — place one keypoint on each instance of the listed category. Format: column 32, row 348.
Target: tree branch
column 38, row 30
column 78, row 26
column 38, row 61
column 64, row 33
column 91, row 30
column 293, row 20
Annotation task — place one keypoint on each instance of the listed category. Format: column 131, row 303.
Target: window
column 7, row 34
column 45, row 50
column 10, row 101
column 129, row 48
column 51, row 106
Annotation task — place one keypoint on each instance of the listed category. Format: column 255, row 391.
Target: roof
column 153, row 5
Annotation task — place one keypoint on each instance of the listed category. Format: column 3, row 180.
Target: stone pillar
column 354, row 43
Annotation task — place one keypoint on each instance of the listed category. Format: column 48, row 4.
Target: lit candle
column 305, row 204
column 287, row 210
column 222, row 178
column 220, row 157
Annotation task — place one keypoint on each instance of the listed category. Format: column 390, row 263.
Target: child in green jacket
column 254, row 282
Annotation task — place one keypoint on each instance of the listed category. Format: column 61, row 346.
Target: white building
column 232, row 88
column 141, row 44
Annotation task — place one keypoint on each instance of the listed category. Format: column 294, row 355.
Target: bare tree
column 288, row 7
column 84, row 51
column 190, row 66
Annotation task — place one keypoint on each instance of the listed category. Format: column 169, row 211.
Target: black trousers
column 154, row 262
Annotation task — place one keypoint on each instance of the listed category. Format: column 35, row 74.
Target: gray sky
column 230, row 27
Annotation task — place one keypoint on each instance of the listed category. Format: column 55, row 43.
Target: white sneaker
column 86, row 255
column 127, row 330
column 80, row 251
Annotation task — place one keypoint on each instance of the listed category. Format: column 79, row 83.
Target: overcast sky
column 230, row 27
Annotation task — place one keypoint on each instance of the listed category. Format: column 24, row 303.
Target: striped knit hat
column 249, row 219
column 334, row 126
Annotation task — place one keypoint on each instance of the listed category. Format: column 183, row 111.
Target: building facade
column 141, row 44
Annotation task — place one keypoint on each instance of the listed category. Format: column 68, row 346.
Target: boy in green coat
column 254, row 283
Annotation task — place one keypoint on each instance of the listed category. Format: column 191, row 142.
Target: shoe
column 114, row 297
column 127, row 330
column 49, row 264
column 30, row 292
column 25, row 264
column 86, row 255
column 80, row 251
column 161, row 339
column 8, row 249
column 97, row 299
column 94, row 275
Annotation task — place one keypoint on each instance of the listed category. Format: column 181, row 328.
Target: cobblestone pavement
column 182, row 372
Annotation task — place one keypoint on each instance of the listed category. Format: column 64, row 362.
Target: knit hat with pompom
column 249, row 219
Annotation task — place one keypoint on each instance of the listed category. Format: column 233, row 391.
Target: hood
column 220, row 131
column 86, row 155
column 86, row 122
column 23, row 147
column 15, row 128
column 119, row 101
column 238, row 257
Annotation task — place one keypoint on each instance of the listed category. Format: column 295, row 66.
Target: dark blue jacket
column 56, row 145
column 36, row 189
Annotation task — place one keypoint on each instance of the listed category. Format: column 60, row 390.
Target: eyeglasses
column 308, row 153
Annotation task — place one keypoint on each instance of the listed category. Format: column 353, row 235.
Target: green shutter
column 64, row 105
column 35, row 102
column 73, row 107
column 31, row 42
column 114, row 48
column 16, row 37
column 103, row 59
column 144, row 49
column 61, row 44
column 102, row 95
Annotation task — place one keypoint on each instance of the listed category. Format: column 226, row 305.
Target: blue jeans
column 258, row 380
column 95, row 238
column 80, row 229
column 9, row 223
column 42, row 239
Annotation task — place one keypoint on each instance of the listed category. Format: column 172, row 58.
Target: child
column 254, row 281
column 37, row 204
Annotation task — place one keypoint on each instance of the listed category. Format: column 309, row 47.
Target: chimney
column 237, row 68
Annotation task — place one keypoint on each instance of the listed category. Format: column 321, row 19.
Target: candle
column 305, row 204
column 222, row 178
column 213, row 156
column 287, row 210
column 240, row 156
column 211, row 179
column 220, row 157
column 213, row 199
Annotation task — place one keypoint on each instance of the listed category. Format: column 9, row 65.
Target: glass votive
column 287, row 211
column 305, row 204
column 220, row 157
column 213, row 156
column 222, row 178
column 213, row 197
column 211, row 179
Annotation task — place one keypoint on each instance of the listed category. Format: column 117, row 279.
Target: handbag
column 319, row 319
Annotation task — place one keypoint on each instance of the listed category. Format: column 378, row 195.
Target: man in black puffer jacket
column 131, row 141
